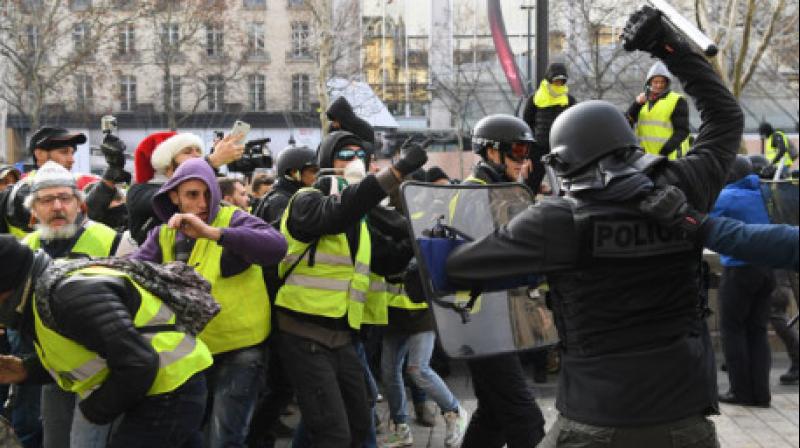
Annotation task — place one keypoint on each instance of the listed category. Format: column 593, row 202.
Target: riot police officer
column 637, row 360
column 507, row 412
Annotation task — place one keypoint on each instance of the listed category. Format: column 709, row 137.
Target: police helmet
column 585, row 133
column 499, row 131
column 332, row 143
column 741, row 168
column 295, row 157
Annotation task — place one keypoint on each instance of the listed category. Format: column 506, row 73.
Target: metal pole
column 529, row 72
column 542, row 32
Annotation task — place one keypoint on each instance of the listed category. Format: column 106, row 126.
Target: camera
column 256, row 155
column 108, row 124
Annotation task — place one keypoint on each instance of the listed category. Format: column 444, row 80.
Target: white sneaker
column 400, row 436
column 456, row 426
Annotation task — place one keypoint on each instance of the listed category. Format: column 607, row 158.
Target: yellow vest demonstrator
column 243, row 320
column 96, row 240
column 334, row 286
column 770, row 151
column 77, row 369
column 654, row 126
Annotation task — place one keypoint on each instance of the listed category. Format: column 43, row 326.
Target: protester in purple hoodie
column 228, row 247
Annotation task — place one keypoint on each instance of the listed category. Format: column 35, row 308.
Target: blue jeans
column 419, row 348
column 164, row 420
column 234, row 381
column 26, row 407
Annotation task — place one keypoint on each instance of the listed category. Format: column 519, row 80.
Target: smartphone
column 241, row 128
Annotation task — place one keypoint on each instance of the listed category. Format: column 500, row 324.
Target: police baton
column 685, row 27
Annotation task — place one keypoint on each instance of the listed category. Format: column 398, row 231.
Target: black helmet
column 741, row 168
column 759, row 162
column 499, row 131
column 765, row 129
column 332, row 143
column 294, row 157
column 585, row 133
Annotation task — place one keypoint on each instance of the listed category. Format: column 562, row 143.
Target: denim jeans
column 26, row 401
column 419, row 348
column 234, row 383
column 164, row 420
column 86, row 434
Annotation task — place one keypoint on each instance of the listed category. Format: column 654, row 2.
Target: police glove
column 669, row 207
column 646, row 30
column 414, row 156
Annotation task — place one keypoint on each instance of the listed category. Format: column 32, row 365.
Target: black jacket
column 653, row 378
column 271, row 206
column 98, row 204
column 679, row 119
column 97, row 312
column 541, row 120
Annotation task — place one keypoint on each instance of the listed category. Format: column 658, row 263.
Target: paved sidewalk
column 737, row 426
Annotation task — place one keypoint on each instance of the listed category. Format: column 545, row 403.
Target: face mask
column 355, row 171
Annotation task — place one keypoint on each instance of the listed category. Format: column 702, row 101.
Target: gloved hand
column 113, row 150
column 414, row 156
column 768, row 172
column 646, row 30
column 669, row 207
column 117, row 175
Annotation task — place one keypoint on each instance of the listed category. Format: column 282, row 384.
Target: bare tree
column 42, row 51
column 743, row 30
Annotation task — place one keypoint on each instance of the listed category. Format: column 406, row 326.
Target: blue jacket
column 741, row 200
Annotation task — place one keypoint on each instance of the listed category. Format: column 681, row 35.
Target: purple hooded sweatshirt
column 248, row 240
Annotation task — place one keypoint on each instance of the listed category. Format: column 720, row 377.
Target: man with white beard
column 63, row 230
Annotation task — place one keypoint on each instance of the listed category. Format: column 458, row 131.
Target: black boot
column 790, row 377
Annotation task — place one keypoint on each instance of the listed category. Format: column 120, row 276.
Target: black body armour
column 636, row 349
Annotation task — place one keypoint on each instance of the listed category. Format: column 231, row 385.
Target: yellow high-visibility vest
column 334, row 286
column 96, row 240
column 244, row 318
column 78, row 369
column 654, row 125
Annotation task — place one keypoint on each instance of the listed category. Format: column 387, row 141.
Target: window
column 83, row 91
column 33, row 38
column 170, row 37
column 172, row 90
column 255, row 4
column 127, row 38
column 80, row 5
column 258, row 92
column 125, row 4
column 215, row 93
column 127, row 93
column 294, row 3
column 255, row 38
column 300, row 47
column 300, row 86
column 80, row 36
column 214, row 39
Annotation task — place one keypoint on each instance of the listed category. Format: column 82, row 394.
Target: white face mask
column 355, row 171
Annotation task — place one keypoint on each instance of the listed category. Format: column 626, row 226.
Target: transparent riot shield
column 469, row 324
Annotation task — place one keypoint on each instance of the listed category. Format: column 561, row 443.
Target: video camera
column 256, row 155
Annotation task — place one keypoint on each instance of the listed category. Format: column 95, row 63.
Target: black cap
column 14, row 273
column 48, row 138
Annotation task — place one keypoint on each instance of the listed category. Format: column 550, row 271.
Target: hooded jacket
column 541, row 119
column 341, row 111
column 248, row 240
column 741, row 200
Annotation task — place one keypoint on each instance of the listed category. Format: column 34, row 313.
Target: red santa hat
column 143, row 169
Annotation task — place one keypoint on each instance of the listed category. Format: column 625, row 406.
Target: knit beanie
column 16, row 259
column 169, row 148
column 51, row 174
column 143, row 170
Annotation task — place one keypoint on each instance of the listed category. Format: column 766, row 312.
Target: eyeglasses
column 64, row 198
column 350, row 154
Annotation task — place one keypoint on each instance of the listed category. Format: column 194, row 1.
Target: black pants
column 778, row 318
column 744, row 298
column 277, row 395
column 330, row 389
column 507, row 413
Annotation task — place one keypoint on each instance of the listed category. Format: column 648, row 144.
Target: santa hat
column 169, row 148
column 143, row 170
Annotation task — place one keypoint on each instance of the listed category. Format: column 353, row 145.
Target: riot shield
column 782, row 198
column 469, row 324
